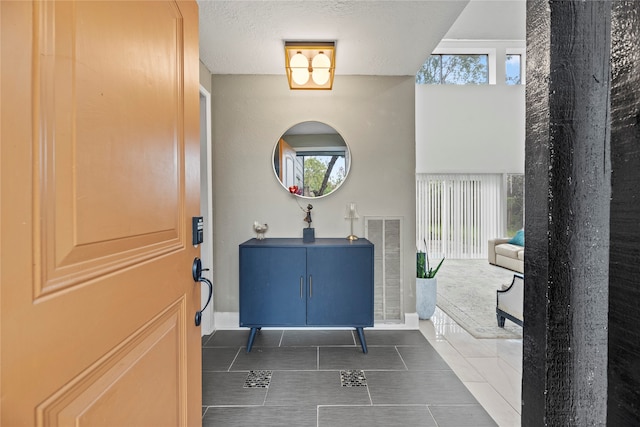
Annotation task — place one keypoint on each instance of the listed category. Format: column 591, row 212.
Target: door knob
column 196, row 272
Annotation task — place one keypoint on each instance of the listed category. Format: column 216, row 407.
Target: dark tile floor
column 321, row 378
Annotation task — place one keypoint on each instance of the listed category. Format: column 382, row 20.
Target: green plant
column 424, row 271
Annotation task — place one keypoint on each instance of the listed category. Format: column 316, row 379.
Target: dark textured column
column 536, row 210
column 624, row 278
column 567, row 213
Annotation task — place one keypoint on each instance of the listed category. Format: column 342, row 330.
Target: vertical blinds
column 457, row 214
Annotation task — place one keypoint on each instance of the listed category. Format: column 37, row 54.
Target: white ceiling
column 372, row 37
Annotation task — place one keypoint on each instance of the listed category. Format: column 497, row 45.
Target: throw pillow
column 518, row 239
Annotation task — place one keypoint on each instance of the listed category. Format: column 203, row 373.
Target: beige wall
column 376, row 117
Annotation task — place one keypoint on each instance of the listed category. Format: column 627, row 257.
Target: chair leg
column 500, row 321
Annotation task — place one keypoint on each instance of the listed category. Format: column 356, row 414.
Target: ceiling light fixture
column 310, row 65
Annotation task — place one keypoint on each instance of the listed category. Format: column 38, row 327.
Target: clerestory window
column 454, row 69
column 513, row 69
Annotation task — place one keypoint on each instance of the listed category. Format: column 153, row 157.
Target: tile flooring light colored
column 407, row 379
column 491, row 369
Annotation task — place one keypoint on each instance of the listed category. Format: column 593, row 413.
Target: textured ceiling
column 491, row 20
column 372, row 37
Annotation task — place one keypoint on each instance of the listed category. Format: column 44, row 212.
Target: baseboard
column 411, row 321
column 227, row 320
column 231, row 320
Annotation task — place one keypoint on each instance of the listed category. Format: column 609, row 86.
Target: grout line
column 368, row 391
column 266, row 394
column 234, row 359
column 400, row 356
column 431, row 413
column 281, row 338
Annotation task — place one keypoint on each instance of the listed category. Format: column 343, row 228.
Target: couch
column 505, row 254
column 510, row 302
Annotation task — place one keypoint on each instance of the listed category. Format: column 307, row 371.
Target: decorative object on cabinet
column 307, row 217
column 260, row 229
column 311, row 160
column 351, row 213
column 309, row 233
column 286, row 282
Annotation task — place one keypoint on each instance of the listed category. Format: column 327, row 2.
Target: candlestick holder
column 351, row 214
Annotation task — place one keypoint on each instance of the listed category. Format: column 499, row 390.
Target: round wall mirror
column 311, row 159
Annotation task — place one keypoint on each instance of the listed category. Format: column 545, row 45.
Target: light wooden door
column 100, row 179
column 287, row 164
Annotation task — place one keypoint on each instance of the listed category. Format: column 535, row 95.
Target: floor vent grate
column 353, row 378
column 258, row 379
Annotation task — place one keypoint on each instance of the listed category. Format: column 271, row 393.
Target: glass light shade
column 299, row 68
column 321, row 61
column 300, row 76
column 320, row 76
column 320, row 64
column 351, row 212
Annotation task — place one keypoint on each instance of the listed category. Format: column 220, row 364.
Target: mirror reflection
column 311, row 159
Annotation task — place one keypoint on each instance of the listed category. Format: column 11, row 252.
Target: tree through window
column 322, row 172
column 454, row 69
column 513, row 69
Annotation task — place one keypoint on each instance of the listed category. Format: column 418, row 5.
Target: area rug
column 467, row 293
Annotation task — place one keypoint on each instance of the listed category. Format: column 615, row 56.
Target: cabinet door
column 272, row 291
column 340, row 288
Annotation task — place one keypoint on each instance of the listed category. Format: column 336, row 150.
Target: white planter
column 426, row 295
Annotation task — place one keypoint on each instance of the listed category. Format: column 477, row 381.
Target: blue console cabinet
column 285, row 282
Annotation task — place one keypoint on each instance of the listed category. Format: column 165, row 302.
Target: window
column 454, row 69
column 513, row 69
column 515, row 203
column 456, row 214
column 322, row 172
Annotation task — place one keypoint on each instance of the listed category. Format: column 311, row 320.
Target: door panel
column 272, row 286
column 288, row 164
column 108, row 390
column 130, row 160
column 342, row 293
column 100, row 176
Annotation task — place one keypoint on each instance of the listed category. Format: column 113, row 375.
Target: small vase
column 426, row 296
